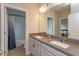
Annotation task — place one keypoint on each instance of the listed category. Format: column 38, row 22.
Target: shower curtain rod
column 16, row 15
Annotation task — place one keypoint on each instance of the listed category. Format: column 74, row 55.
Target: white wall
column 74, row 7
column 0, row 27
column 73, row 23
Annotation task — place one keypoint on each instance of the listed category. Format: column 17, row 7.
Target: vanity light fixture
column 43, row 9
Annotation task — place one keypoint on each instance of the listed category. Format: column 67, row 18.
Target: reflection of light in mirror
column 43, row 9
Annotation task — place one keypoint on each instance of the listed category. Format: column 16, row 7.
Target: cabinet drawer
column 53, row 50
column 44, row 52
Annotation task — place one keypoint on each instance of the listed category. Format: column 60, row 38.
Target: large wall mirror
column 55, row 20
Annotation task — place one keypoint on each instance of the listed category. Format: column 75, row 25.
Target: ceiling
column 55, row 6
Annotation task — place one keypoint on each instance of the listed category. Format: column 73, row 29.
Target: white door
column 73, row 25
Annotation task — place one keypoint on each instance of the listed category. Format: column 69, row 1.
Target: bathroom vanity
column 41, row 46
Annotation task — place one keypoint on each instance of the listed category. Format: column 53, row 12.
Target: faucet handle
column 62, row 38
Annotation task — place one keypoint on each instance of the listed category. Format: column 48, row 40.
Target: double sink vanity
column 41, row 44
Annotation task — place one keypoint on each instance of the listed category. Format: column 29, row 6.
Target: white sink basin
column 38, row 37
column 60, row 44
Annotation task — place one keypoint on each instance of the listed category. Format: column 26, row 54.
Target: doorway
column 4, row 27
column 16, row 32
column 64, row 27
column 50, row 25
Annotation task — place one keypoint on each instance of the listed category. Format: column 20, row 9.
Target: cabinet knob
column 33, row 45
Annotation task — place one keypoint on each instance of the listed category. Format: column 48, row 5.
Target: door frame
column 3, row 33
column 60, row 24
column 52, row 24
column 48, row 24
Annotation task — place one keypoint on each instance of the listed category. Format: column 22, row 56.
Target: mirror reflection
column 50, row 25
column 64, row 27
column 56, row 20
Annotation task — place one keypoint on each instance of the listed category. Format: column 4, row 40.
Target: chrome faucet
column 63, row 39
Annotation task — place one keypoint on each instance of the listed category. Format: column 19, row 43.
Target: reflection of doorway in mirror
column 64, row 27
column 49, row 25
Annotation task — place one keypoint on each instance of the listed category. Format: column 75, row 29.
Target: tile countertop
column 72, row 50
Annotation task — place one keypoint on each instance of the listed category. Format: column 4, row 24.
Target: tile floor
column 19, row 51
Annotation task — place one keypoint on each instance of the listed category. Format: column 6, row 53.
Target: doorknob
column 33, row 45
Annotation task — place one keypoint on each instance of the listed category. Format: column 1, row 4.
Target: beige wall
column 42, row 22
column 37, row 22
column 33, row 16
column 64, row 12
column 54, row 15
